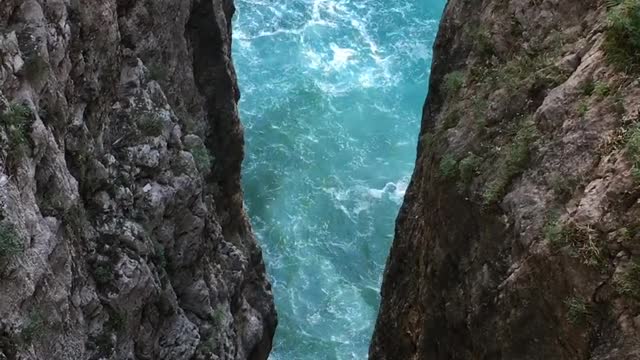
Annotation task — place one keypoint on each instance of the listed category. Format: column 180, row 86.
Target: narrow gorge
column 331, row 99
column 133, row 226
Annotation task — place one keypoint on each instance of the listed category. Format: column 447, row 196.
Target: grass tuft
column 578, row 310
column 34, row 327
column 601, row 89
column 158, row 72
column 36, row 69
column 633, row 149
column 202, row 158
column 622, row 36
column 10, row 241
column 453, row 82
column 515, row 160
column 151, row 125
column 16, row 122
column 448, row 167
column 628, row 283
column 467, row 169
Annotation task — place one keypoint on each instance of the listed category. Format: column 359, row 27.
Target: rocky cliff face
column 122, row 229
column 519, row 236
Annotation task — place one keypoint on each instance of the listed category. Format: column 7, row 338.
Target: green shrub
column 583, row 108
column 628, row 283
column 633, row 149
column 555, row 234
column 602, row 89
column 564, row 186
column 202, row 158
column 514, row 73
column 618, row 104
column 588, row 88
column 17, row 115
column 530, row 72
column 451, row 119
column 582, row 243
column 578, row 310
column 514, row 161
column 10, row 241
column 151, row 125
column 622, row 36
column 219, row 315
column 159, row 257
column 16, row 122
column 483, row 41
column 36, row 69
column 448, row 167
column 453, row 82
column 598, row 88
column 209, row 345
column 103, row 273
column 33, row 328
column 467, row 168
column 157, row 72
column 117, row 321
column 427, row 140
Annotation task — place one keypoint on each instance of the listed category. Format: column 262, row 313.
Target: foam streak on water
column 331, row 98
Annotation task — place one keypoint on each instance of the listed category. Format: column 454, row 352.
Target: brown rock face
column 122, row 229
column 519, row 234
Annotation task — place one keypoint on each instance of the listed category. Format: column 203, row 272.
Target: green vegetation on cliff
column 622, row 42
column 10, row 242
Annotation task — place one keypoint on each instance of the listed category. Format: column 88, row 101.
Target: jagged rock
column 527, row 247
column 118, row 241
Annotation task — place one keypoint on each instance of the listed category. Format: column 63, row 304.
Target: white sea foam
column 398, row 193
column 320, row 79
column 341, row 56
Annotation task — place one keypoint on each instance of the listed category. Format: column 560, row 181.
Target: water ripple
column 332, row 92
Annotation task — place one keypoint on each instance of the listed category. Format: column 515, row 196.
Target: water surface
column 332, row 92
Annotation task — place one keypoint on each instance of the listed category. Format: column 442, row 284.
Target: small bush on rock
column 10, row 241
column 515, row 160
column 633, row 148
column 201, row 157
column 151, row 125
column 103, row 273
column 622, row 37
column 16, row 122
column 453, row 82
column 157, row 72
column 578, row 310
column 602, row 89
column 34, row 327
column 467, row 169
column 448, row 167
column 36, row 69
column 628, row 283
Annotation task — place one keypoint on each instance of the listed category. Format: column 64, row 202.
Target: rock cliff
column 122, row 229
column 519, row 236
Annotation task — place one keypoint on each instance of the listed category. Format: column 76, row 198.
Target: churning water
column 332, row 92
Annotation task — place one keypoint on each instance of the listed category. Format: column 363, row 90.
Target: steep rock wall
column 518, row 237
column 122, row 229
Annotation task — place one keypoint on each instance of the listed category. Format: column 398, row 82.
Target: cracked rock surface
column 122, row 228
column 519, row 235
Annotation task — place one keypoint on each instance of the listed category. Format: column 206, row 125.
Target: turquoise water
column 332, row 92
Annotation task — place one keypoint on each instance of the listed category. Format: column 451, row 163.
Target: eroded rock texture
column 122, row 229
column 519, row 236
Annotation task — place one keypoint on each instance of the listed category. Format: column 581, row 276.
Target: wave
column 332, row 91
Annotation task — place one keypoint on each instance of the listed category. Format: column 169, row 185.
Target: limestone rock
column 530, row 250
column 122, row 228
